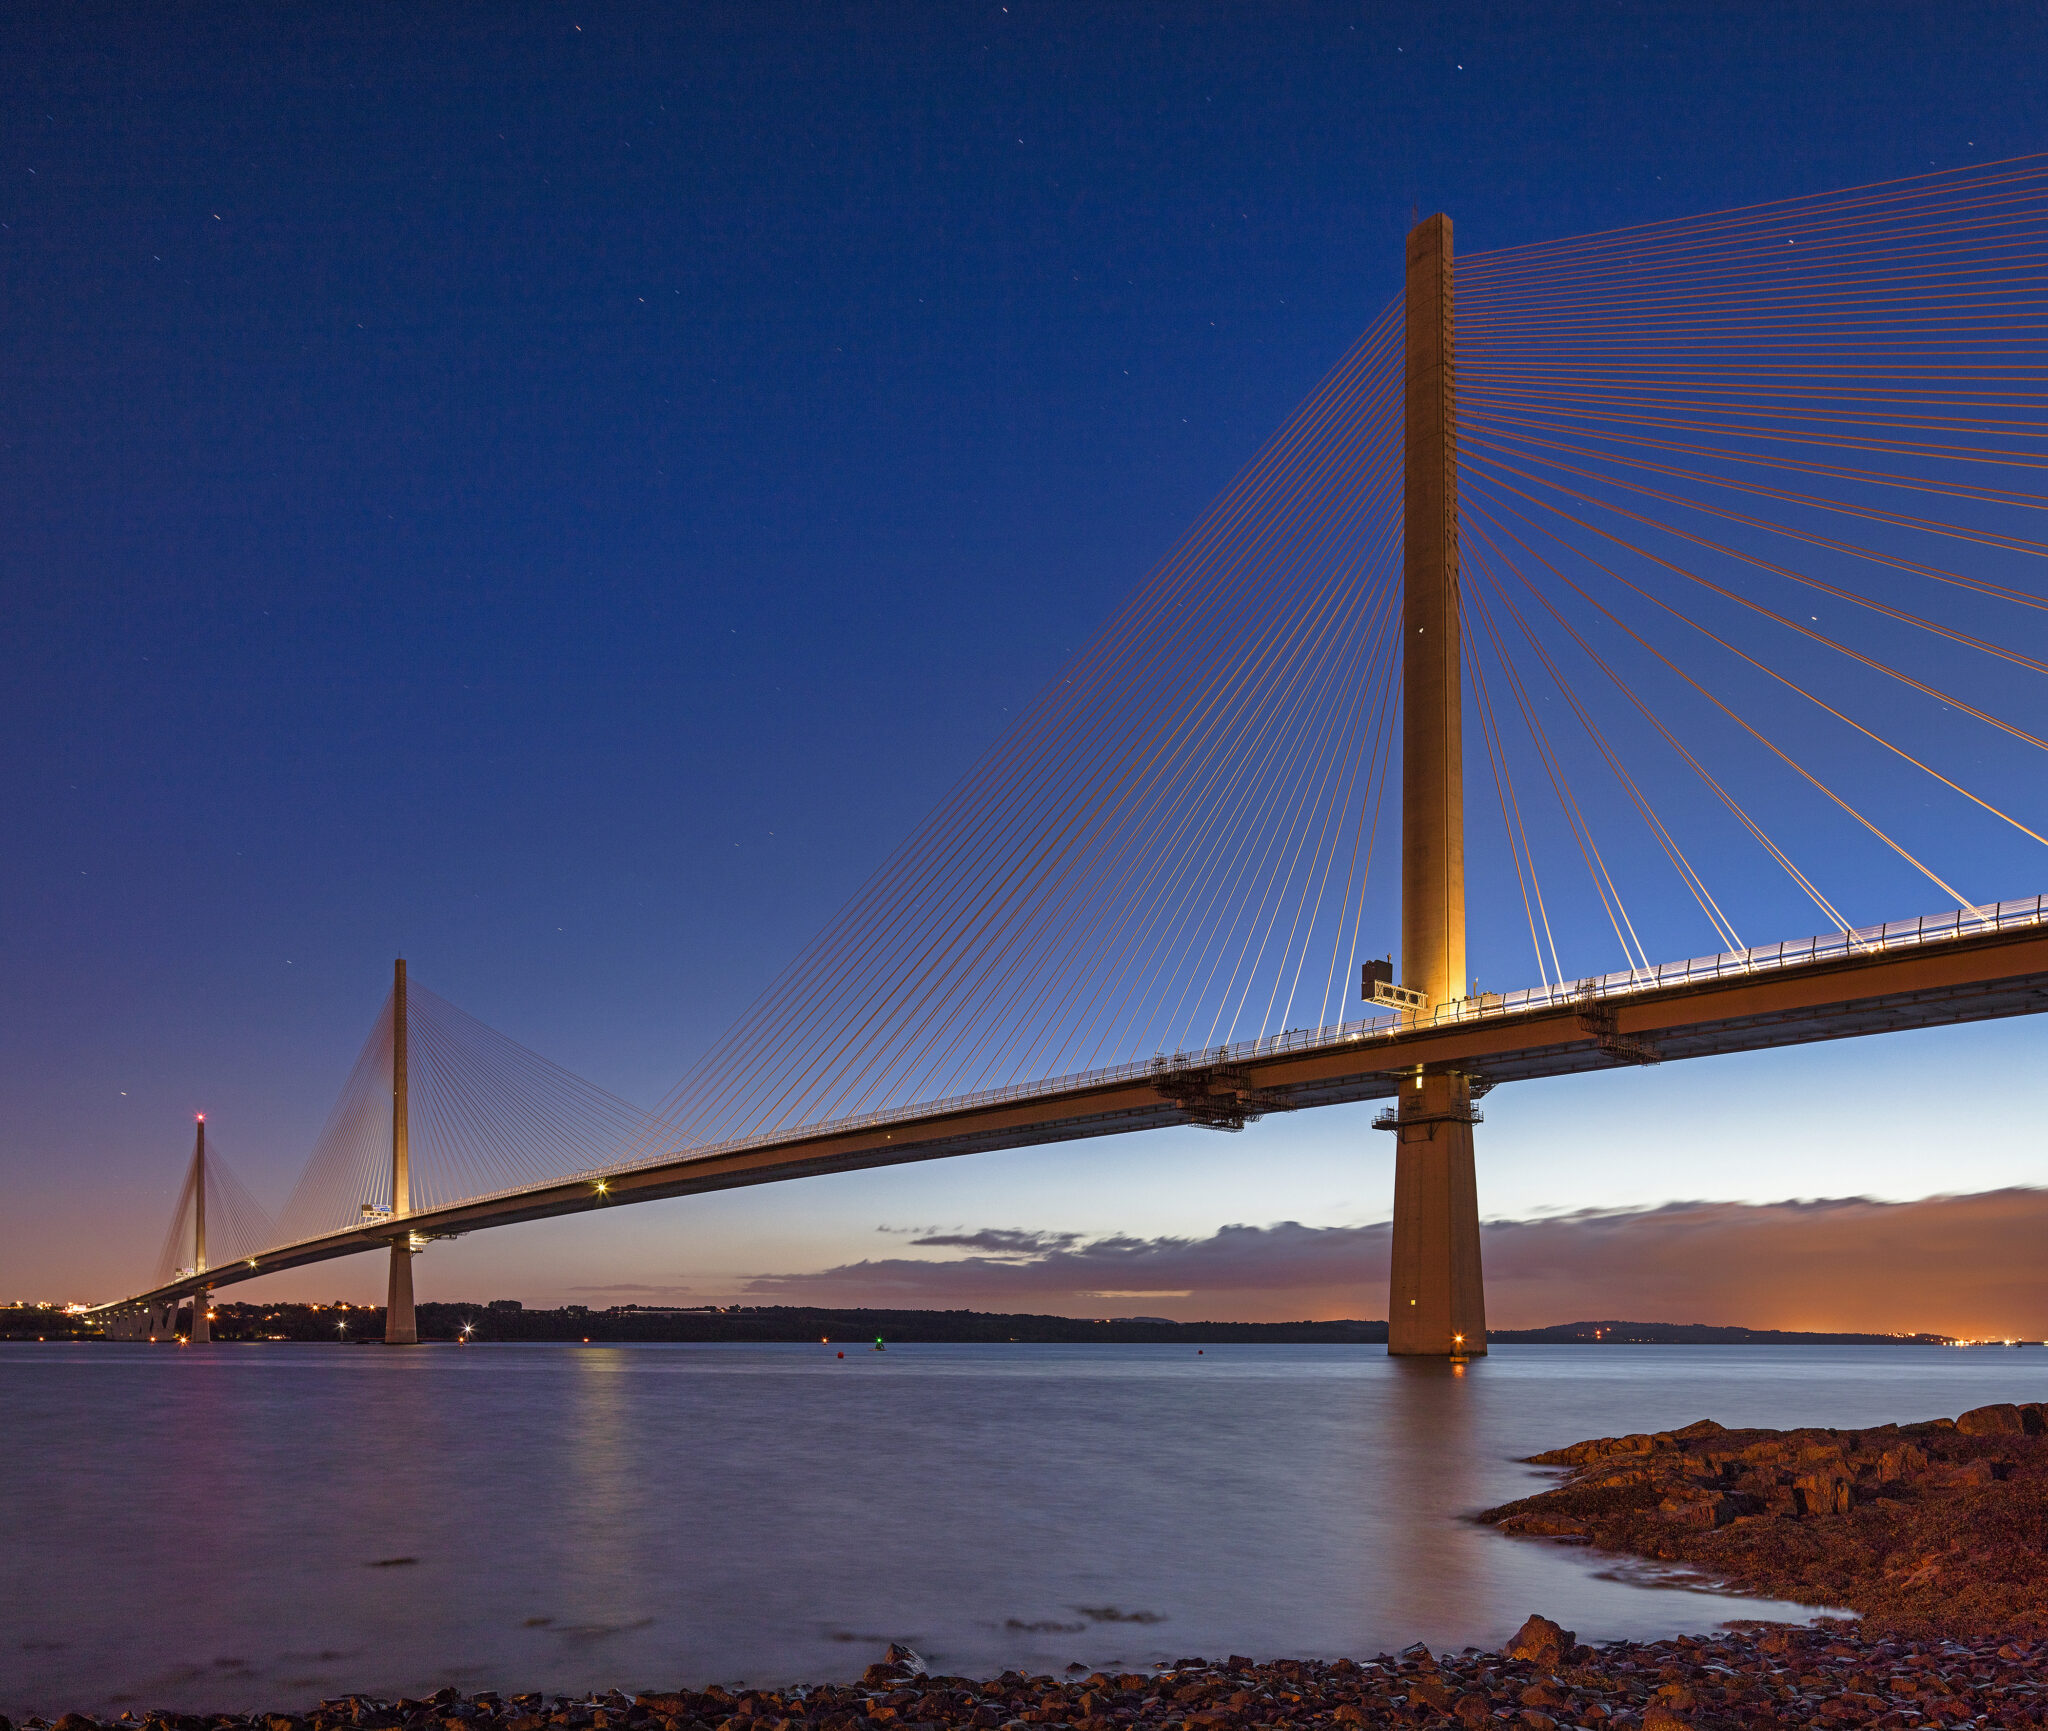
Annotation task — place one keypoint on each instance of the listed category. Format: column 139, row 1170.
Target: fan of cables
column 484, row 1115
column 237, row 1225
column 1751, row 516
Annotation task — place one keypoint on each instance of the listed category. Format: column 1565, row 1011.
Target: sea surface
column 262, row 1525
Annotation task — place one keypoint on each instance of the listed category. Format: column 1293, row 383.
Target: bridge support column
column 1436, row 1302
column 399, row 1326
column 202, row 1331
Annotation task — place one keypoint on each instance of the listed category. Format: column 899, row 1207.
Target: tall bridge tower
column 399, row 1326
column 1437, row 1302
column 200, row 1334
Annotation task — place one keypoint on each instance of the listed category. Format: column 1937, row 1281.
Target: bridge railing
column 1859, row 940
column 1805, row 952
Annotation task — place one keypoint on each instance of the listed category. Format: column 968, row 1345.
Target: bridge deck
column 1935, row 979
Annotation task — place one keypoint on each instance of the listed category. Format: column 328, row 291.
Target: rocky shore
column 1937, row 1529
column 1752, row 1676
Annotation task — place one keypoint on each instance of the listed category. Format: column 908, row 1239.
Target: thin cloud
column 1002, row 1241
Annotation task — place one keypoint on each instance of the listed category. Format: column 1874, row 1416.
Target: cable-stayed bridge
column 1720, row 535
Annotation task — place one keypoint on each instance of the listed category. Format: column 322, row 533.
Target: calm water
column 212, row 1527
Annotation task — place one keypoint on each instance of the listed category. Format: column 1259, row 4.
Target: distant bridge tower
column 1437, row 1302
column 399, row 1327
column 201, row 1335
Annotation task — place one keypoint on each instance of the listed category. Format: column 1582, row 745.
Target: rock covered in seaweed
column 1932, row 1528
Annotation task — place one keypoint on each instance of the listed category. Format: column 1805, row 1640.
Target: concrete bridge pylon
column 201, row 1334
column 1436, row 1303
column 400, row 1329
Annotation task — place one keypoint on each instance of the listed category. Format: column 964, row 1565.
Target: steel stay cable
column 1521, row 442
column 1790, row 624
column 1292, row 775
column 1630, row 787
column 1789, row 684
column 1762, row 433
column 1145, row 902
column 1755, row 830
column 1934, row 573
column 1365, row 834
column 1779, row 753
column 1339, row 819
column 1499, row 263
column 1517, row 838
column 1515, row 425
column 1156, row 901
column 1333, row 590
column 1330, row 612
column 1544, row 261
column 1362, row 345
column 1553, row 766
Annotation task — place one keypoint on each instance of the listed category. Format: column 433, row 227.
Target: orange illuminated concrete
column 400, row 1327
column 1436, row 1304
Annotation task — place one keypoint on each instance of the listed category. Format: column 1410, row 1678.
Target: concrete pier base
column 1436, row 1302
column 202, row 1333
column 399, row 1327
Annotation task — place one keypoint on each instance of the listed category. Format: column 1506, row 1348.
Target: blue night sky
column 558, row 492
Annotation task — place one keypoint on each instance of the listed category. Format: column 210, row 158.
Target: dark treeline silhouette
column 507, row 1320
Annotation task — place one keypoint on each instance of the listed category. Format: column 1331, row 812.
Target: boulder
column 2003, row 1419
column 1824, row 1493
column 1539, row 1641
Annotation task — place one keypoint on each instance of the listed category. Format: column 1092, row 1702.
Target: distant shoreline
column 505, row 1320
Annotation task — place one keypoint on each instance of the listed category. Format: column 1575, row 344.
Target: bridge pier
column 399, row 1326
column 1436, row 1305
column 1436, row 1302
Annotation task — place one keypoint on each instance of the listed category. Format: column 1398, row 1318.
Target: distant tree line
column 507, row 1319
